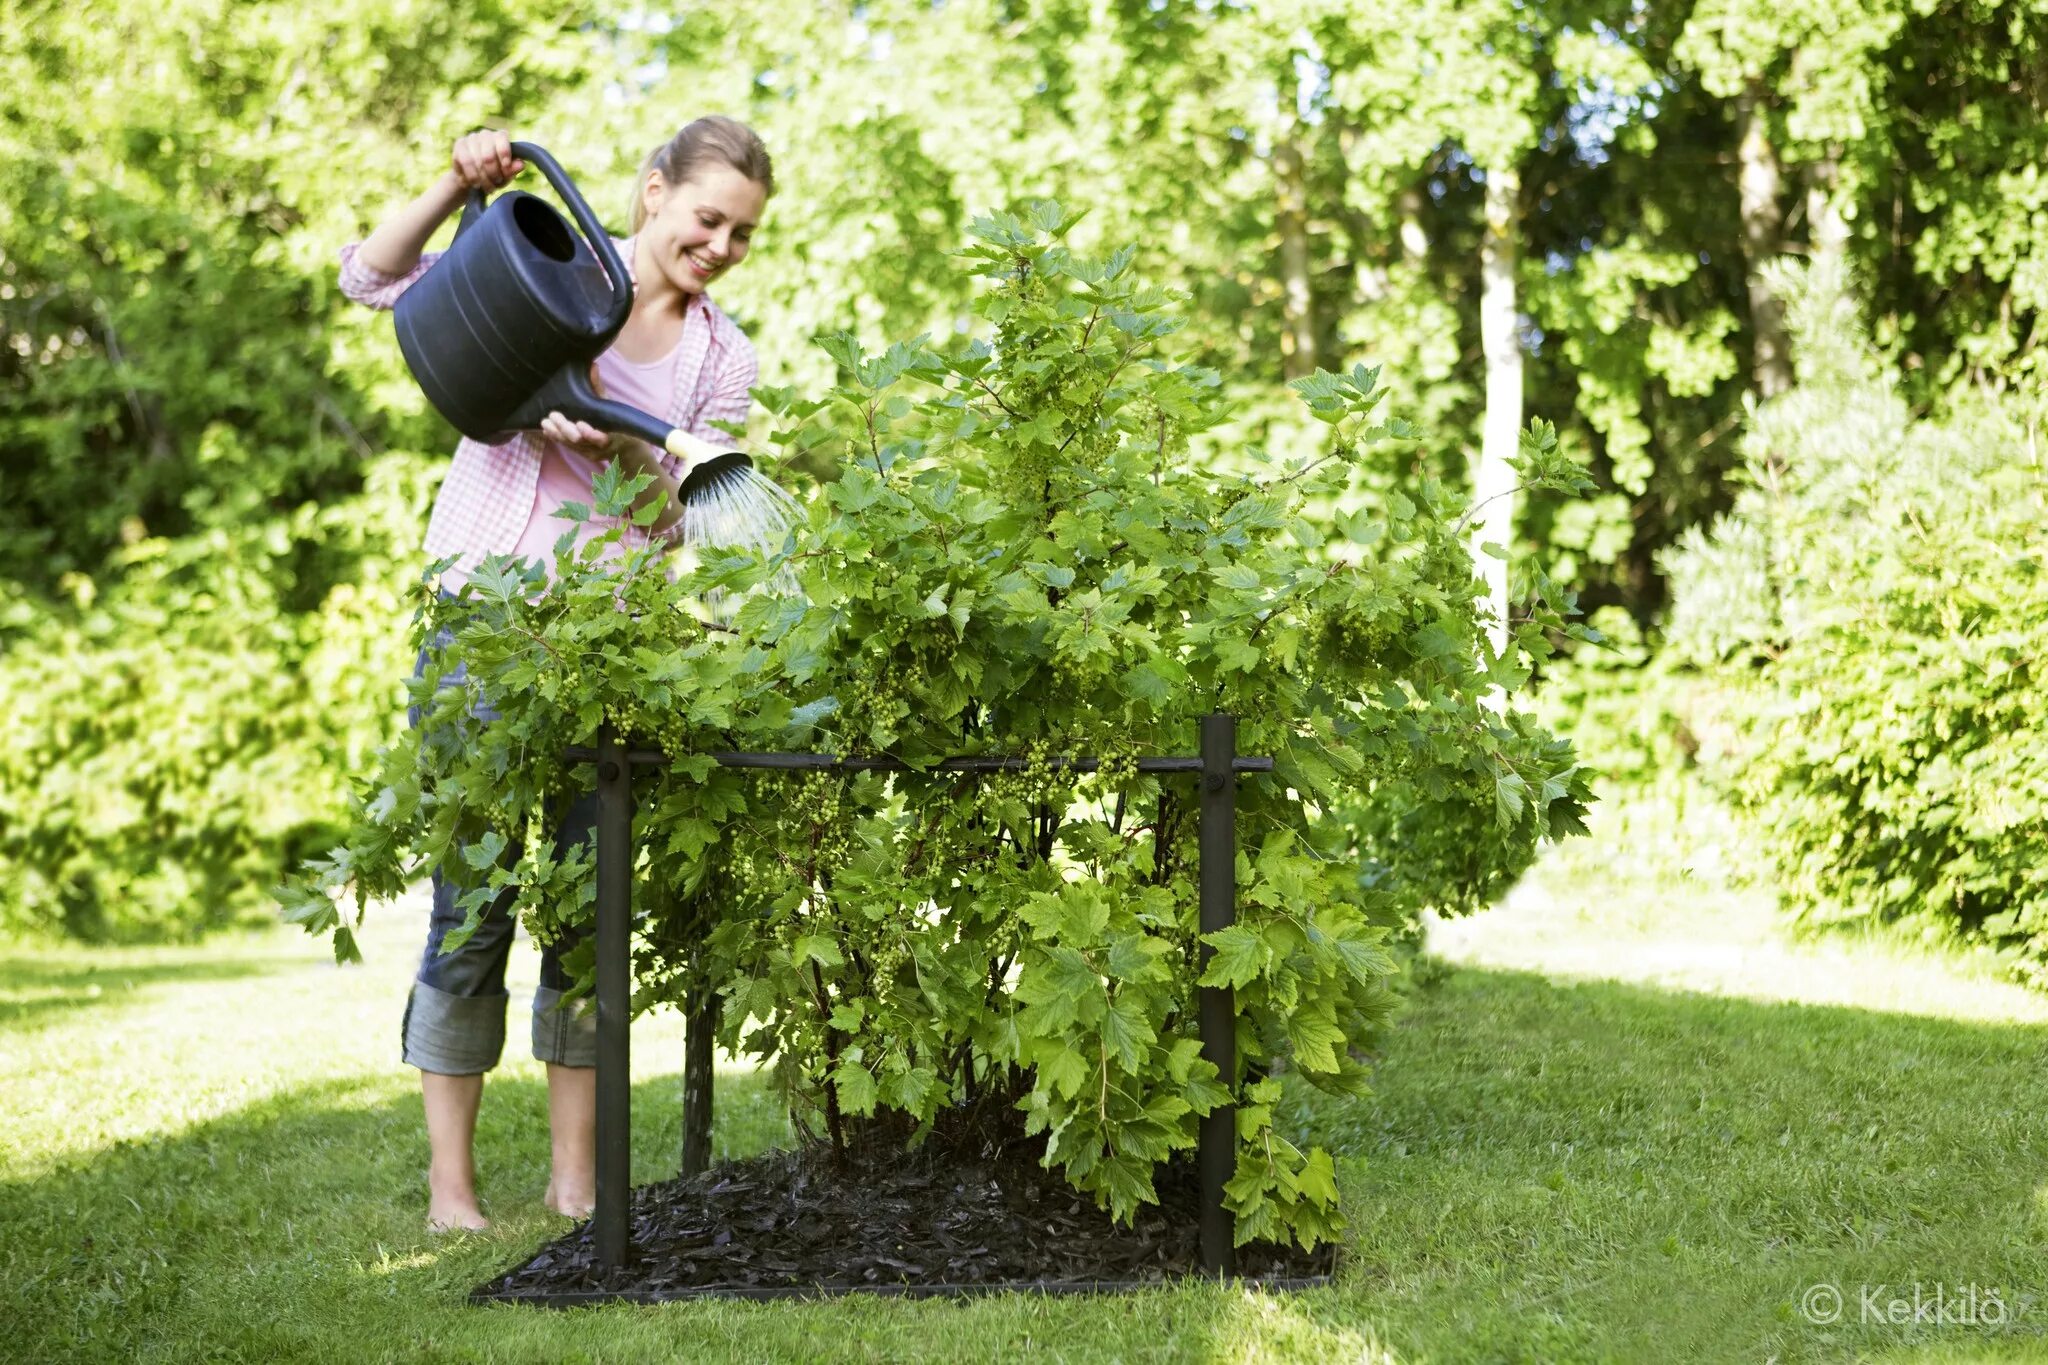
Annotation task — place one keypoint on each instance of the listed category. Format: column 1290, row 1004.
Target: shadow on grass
column 1551, row 1172
column 33, row 989
column 1614, row 1171
column 239, row 1232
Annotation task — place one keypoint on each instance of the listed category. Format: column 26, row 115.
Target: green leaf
column 1509, row 792
column 486, row 853
column 857, row 489
column 1135, row 958
column 1241, row 955
column 1367, row 963
column 1062, row 1071
column 1154, row 681
column 818, row 948
column 856, row 1087
column 1061, row 989
column 1126, row 1033
column 1316, row 1038
column 911, row 1090
column 1318, row 1177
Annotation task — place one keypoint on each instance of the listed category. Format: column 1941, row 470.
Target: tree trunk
column 1414, row 237
column 1763, row 232
column 1375, row 282
column 1493, row 480
column 1369, row 279
column 1826, row 227
column 1298, row 337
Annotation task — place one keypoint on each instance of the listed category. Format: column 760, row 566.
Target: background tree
column 186, row 402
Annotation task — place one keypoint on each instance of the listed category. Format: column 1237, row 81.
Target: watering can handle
column 471, row 211
column 600, row 240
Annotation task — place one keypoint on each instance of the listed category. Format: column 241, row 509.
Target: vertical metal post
column 703, row 1015
column 1216, row 1149
column 614, row 995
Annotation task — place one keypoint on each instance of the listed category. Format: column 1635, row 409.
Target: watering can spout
column 704, row 464
column 504, row 327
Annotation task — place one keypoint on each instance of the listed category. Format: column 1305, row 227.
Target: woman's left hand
column 581, row 437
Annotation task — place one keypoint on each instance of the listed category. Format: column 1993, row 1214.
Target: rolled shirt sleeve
column 372, row 287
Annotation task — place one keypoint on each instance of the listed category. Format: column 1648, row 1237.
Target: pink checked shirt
column 488, row 497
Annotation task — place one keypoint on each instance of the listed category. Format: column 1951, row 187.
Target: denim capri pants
column 455, row 1015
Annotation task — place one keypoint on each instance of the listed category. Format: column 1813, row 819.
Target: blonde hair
column 713, row 140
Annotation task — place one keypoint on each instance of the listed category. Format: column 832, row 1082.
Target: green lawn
column 1627, row 1120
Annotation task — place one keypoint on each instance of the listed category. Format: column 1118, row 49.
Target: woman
column 699, row 199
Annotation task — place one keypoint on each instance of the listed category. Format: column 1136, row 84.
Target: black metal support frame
column 1218, row 764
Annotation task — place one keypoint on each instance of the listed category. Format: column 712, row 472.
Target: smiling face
column 698, row 229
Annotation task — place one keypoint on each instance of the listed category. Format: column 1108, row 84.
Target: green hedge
column 176, row 738
column 1875, row 610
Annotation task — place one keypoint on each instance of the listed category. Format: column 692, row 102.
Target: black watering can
column 502, row 329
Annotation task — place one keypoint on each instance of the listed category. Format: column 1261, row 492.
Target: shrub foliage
column 174, row 740
column 1016, row 557
column 1873, row 609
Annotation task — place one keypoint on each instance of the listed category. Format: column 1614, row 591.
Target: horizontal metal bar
column 1171, row 763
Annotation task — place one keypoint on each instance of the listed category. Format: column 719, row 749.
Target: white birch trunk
column 1827, row 228
column 1763, row 229
column 1414, row 237
column 1298, row 337
column 1493, row 479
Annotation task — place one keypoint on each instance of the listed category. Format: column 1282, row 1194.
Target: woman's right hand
column 484, row 161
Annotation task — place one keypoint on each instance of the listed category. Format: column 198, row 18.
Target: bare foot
column 452, row 1206
column 572, row 1202
column 456, row 1218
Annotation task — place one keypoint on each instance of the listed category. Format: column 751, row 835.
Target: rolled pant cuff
column 565, row 1034
column 454, row 1035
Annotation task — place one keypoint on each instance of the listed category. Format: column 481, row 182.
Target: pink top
column 494, row 493
column 565, row 474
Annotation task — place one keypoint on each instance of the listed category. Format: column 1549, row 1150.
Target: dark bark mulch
column 794, row 1223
